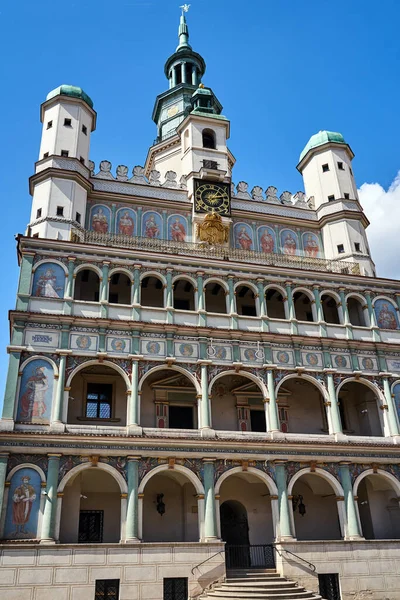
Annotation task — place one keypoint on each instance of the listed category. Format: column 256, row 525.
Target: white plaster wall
column 193, row 156
column 224, row 412
column 304, row 408
column 321, row 521
column 147, row 406
column 59, row 137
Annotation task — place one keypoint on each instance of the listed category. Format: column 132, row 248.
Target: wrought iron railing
column 307, row 562
column 253, row 556
column 210, row 251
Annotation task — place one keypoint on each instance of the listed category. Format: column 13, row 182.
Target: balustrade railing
column 210, row 251
column 249, row 556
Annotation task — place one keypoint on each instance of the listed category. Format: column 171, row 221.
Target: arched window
column 356, row 312
column 209, row 139
column 87, row 286
column 302, row 307
column 359, row 413
column 120, row 289
column 275, row 304
column 215, row 297
column 183, row 295
column 152, row 292
column 329, row 308
column 245, row 301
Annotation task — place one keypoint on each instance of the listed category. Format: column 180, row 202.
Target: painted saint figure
column 126, row 224
column 244, row 239
column 46, row 285
column 23, row 498
column 386, row 318
column 289, row 245
column 267, row 242
column 99, row 221
column 151, row 228
column 178, row 231
column 311, row 248
column 32, row 401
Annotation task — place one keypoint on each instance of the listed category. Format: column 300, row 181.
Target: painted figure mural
column 152, row 225
column 386, row 314
column 177, row 228
column 289, row 242
column 49, row 281
column 243, row 236
column 396, row 394
column 126, row 222
column 266, row 240
column 310, row 245
column 36, row 392
column 23, row 505
column 100, row 219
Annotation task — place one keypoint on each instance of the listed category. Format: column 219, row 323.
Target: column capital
column 137, row 266
column 136, row 357
column 204, row 362
column 63, row 352
column 209, row 460
column 28, row 253
column 4, row 455
column 133, row 458
column 270, row 367
column 288, row 282
column 368, row 292
column 344, row 463
column 329, row 371
column 54, row 456
column 200, row 273
column 385, row 375
column 280, row 462
column 72, row 259
column 316, row 286
column 106, row 263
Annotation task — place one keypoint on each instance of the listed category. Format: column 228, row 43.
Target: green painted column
column 283, row 501
column 335, row 413
column 132, row 508
column 372, row 318
column 25, row 277
column 391, row 407
column 274, row 423
column 194, row 75
column 70, row 278
column 136, row 310
column 50, row 506
column 291, row 313
column 59, row 397
column 3, row 472
column 205, row 407
column 201, row 308
column 135, row 342
column 10, row 395
column 210, row 515
column 133, row 403
column 102, row 339
column 169, row 297
column 347, row 324
column 353, row 528
column 104, row 285
column 262, row 305
column 231, row 296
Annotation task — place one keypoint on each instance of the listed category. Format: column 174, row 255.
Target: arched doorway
column 235, row 532
column 378, row 506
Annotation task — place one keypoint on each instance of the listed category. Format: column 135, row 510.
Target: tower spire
column 183, row 31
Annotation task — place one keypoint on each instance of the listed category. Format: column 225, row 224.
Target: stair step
column 259, row 585
column 272, row 595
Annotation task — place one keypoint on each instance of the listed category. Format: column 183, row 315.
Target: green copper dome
column 320, row 138
column 72, row 91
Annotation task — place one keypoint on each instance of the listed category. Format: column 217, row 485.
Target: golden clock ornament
column 212, row 196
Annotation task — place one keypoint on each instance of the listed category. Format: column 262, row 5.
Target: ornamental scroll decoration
column 222, row 466
column 148, row 464
column 16, row 460
column 212, row 231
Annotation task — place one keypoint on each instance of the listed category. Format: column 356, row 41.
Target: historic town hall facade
column 195, row 362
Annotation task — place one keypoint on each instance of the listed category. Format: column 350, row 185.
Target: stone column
column 201, row 299
column 104, row 284
column 10, row 395
column 194, row 75
column 376, row 334
column 169, row 297
column 349, row 329
column 205, row 407
column 353, row 528
column 133, row 399
column 132, row 509
column 290, row 304
column 70, row 278
column 136, row 293
column 50, row 507
column 25, row 277
column 262, row 305
column 173, row 76
column 183, row 72
column 283, row 501
column 210, row 516
column 274, row 424
column 391, row 406
column 334, row 408
column 3, row 471
column 59, row 397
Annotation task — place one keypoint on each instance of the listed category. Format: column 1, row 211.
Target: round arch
column 275, row 286
column 248, row 284
column 305, row 291
column 318, row 471
column 358, row 296
column 363, row 381
column 391, row 478
column 392, row 302
column 27, row 466
column 50, row 260
column 198, row 486
column 105, row 363
column 181, row 370
column 121, row 270
column 185, row 278
column 221, row 282
column 306, row 377
column 90, row 267
column 250, row 376
column 331, row 293
column 31, row 358
column 153, row 274
column 88, row 465
column 269, row 482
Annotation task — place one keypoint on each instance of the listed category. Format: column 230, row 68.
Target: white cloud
column 383, row 211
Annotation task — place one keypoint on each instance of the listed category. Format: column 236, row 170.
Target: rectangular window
column 340, row 249
column 64, row 153
column 181, row 417
column 175, row 588
column 67, row 123
column 257, row 420
column 331, row 198
column 36, row 235
column 351, row 172
column 82, row 160
column 78, row 217
column 329, row 586
column 340, row 166
column 49, row 124
column 325, row 168
column 347, row 196
column 45, row 155
column 107, row 589
column 99, row 400
column 90, row 526
column 84, row 129
column 38, row 213
column 60, row 211
column 357, row 246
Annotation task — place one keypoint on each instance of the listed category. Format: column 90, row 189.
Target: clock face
column 211, row 196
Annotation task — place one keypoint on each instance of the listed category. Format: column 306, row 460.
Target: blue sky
column 282, row 70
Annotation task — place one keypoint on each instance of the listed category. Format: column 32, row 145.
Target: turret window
column 78, row 217
column 340, row 249
column 325, row 168
column 84, row 129
column 347, row 196
column 209, row 139
column 64, row 153
column 38, row 213
column 82, row 160
column 340, row 166
column 331, row 198
column 357, row 246
column 67, row 123
column 45, row 155
column 60, row 211
column 49, row 124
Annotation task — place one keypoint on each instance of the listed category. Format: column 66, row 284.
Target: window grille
column 107, row 589
column 175, row 588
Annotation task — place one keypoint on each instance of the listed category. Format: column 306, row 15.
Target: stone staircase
column 262, row 584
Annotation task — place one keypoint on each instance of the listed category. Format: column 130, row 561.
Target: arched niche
column 120, row 288
column 209, row 139
column 245, row 301
column 36, row 391
column 152, row 292
column 357, row 311
column 378, row 495
column 87, row 285
column 274, row 299
column 48, row 280
column 215, row 297
column 330, row 309
column 303, row 304
column 358, row 406
column 24, row 503
column 184, row 295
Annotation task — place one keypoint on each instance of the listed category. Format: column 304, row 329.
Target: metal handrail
column 313, row 567
column 207, row 559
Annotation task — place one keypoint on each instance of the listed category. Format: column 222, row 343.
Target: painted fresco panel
column 386, row 314
column 83, row 342
column 243, row 236
column 341, row 361
column 153, row 347
column 48, row 281
column 266, row 240
column 289, row 242
column 118, row 345
column 177, row 228
column 36, row 392
column 126, row 222
column 100, row 218
column 152, row 225
column 311, row 245
column 42, row 338
column 396, row 393
column 312, row 359
column 283, row 357
column 23, row 505
column 186, row 350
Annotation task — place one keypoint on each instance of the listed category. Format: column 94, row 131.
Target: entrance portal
column 235, row 532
